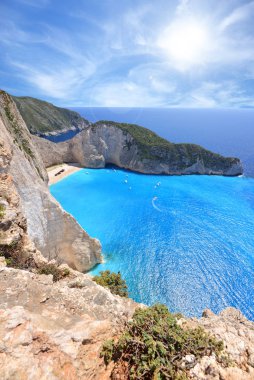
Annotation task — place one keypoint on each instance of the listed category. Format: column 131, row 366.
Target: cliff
column 45, row 118
column 54, row 232
column 135, row 148
column 54, row 328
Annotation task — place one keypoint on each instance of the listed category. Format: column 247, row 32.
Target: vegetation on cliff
column 15, row 256
column 152, row 146
column 2, row 208
column 19, row 139
column 112, row 281
column 155, row 346
column 57, row 273
column 43, row 117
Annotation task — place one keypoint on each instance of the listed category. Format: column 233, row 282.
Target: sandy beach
column 63, row 169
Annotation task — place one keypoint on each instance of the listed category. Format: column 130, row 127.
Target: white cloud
column 225, row 94
column 123, row 94
column 154, row 78
column 121, row 63
column 239, row 14
column 61, row 83
column 11, row 34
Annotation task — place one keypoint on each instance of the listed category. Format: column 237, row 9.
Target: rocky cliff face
column 137, row 149
column 53, row 231
column 55, row 331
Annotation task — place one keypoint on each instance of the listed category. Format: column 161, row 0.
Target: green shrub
column 57, row 273
column 9, row 262
column 15, row 257
column 26, row 148
column 112, row 281
column 2, row 208
column 8, row 113
column 154, row 345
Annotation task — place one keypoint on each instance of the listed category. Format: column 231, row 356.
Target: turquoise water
column 186, row 241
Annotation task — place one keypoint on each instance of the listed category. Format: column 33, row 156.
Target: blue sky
column 133, row 53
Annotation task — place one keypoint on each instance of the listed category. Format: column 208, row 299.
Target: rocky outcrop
column 53, row 231
column 55, row 331
column 137, row 149
column 15, row 244
column 237, row 334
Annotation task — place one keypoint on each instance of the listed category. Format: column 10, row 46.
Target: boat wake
column 154, row 205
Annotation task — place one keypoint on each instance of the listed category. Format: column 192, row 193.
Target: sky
column 129, row 53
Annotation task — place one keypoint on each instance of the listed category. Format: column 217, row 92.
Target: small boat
column 125, row 181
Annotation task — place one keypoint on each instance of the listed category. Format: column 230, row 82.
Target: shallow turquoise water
column 186, row 241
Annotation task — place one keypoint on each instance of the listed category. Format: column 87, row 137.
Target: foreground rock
column 237, row 333
column 54, row 232
column 135, row 148
column 54, row 330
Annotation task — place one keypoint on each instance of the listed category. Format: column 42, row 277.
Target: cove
column 186, row 241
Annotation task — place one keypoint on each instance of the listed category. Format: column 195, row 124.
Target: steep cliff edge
column 54, row 232
column 135, row 148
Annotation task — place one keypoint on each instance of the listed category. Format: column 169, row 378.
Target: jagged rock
column 237, row 334
column 54, row 232
column 46, row 327
column 49, row 330
column 2, row 261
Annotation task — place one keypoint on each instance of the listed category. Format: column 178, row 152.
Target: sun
column 184, row 42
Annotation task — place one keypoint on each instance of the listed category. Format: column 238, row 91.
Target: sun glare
column 184, row 42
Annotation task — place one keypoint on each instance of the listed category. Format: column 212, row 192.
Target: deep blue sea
column 186, row 241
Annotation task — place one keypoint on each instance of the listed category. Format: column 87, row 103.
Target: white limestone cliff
column 54, row 232
column 104, row 144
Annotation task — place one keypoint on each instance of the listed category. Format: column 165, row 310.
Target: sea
column 186, row 241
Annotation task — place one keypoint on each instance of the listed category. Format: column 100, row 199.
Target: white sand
column 68, row 169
